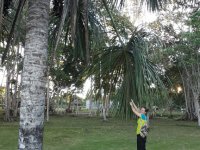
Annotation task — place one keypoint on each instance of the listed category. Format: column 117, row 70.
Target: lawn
column 83, row 133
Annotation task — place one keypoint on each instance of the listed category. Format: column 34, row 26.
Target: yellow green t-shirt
column 141, row 122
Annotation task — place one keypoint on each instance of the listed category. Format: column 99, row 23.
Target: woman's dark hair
column 146, row 109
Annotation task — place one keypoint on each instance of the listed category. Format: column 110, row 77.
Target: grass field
column 82, row 133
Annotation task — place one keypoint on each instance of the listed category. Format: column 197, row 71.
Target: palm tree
column 34, row 76
column 126, row 72
column 35, row 59
column 34, row 69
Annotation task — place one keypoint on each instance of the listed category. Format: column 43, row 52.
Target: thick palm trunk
column 34, row 76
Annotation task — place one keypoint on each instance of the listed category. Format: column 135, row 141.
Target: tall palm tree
column 34, row 76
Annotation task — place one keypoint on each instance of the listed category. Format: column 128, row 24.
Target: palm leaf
column 151, row 4
column 133, row 71
column 62, row 21
column 112, row 20
column 19, row 8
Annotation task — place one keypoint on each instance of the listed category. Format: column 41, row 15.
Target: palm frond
column 129, row 68
column 112, row 20
column 1, row 13
column 19, row 8
column 85, row 28
column 81, row 30
column 151, row 4
column 62, row 21
column 6, row 6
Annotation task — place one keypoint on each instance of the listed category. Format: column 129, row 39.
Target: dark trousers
column 141, row 143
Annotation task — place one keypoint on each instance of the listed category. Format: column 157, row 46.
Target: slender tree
column 34, row 76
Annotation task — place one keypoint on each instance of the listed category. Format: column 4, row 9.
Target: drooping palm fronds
column 18, row 10
column 62, row 21
column 82, row 31
column 4, row 7
column 128, row 68
column 1, row 12
column 154, row 4
column 77, row 22
column 112, row 20
column 151, row 4
column 72, row 27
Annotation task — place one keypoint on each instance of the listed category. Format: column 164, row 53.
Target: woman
column 141, row 141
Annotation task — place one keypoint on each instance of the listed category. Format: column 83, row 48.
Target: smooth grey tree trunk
column 34, row 76
column 104, row 108
column 8, row 98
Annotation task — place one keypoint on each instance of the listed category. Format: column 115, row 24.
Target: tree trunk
column 197, row 108
column 69, row 105
column 16, row 98
column 47, row 97
column 104, row 108
column 104, row 114
column 34, row 76
column 189, row 103
column 8, row 98
column 107, row 105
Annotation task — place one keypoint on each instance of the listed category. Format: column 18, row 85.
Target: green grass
column 82, row 133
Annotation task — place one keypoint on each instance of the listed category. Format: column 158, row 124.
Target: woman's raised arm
column 134, row 110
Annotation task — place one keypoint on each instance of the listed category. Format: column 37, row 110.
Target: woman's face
column 142, row 111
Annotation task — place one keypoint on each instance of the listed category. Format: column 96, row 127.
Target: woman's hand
column 133, row 104
column 134, row 110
